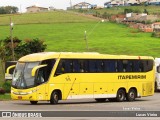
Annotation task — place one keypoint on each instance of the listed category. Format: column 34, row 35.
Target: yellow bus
column 54, row 76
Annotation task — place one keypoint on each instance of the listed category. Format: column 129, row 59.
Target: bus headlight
column 24, row 93
column 32, row 91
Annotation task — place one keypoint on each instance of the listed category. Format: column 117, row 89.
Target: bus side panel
column 120, row 85
column 71, row 91
column 104, row 90
column 148, row 89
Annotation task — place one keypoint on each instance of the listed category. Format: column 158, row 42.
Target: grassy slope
column 64, row 31
column 104, row 37
column 45, row 17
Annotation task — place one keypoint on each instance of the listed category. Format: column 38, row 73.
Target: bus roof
column 82, row 55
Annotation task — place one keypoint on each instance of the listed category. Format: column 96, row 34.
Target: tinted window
column 101, row 65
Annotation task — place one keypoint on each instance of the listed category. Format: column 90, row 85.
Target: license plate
column 19, row 97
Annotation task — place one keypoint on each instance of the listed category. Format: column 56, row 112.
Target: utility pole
column 85, row 38
column 11, row 35
column 20, row 9
column 71, row 4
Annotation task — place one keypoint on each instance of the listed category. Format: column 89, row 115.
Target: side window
column 61, row 67
column 147, row 65
column 120, row 66
column 68, row 66
column 141, row 66
column 127, row 65
column 92, row 66
column 109, row 65
column 44, row 73
column 41, row 76
column 76, row 66
column 136, row 66
column 81, row 64
column 84, row 66
column 100, row 66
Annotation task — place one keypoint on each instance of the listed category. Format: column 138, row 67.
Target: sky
column 58, row 4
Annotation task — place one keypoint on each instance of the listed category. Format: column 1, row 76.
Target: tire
column 121, row 95
column 54, row 98
column 33, row 102
column 131, row 95
column 100, row 99
column 155, row 87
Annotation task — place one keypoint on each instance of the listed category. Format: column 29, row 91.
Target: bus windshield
column 22, row 75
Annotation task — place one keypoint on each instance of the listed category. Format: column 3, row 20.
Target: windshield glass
column 22, row 75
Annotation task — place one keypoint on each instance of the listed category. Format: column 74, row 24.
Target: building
column 82, row 5
column 153, row 2
column 156, row 26
column 123, row 3
column 142, row 17
column 34, row 9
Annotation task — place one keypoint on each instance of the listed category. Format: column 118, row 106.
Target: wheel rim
column 55, row 97
column 132, row 95
column 121, row 96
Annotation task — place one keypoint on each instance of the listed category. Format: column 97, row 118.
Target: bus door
column 43, row 75
column 71, row 87
column 67, row 70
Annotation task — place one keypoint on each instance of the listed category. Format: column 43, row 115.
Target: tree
column 8, row 10
column 127, row 10
column 21, row 48
column 2, row 56
column 8, row 46
column 145, row 11
column 30, row 46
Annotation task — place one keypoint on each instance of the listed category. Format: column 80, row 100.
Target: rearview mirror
column 36, row 68
column 10, row 67
column 158, row 69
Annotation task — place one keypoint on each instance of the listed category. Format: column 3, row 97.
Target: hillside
column 44, row 17
column 64, row 31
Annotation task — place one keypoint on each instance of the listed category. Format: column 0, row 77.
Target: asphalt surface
column 150, row 103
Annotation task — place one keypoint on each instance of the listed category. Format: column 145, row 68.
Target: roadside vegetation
column 151, row 9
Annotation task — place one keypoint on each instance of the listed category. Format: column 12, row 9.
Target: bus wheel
column 120, row 95
column 33, row 102
column 155, row 87
column 131, row 95
column 100, row 99
column 54, row 98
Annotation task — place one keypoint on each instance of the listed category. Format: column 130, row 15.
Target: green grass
column 5, row 97
column 44, row 17
column 109, row 38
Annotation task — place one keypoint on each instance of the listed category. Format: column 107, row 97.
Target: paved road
column 144, row 103
column 151, row 103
